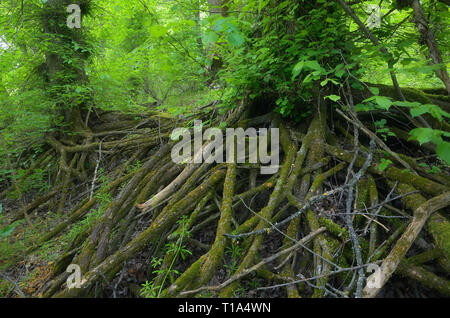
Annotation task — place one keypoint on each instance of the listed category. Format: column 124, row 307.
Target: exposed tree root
column 326, row 226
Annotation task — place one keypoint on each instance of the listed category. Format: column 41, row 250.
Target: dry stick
column 111, row 265
column 176, row 183
column 245, row 272
column 295, row 241
column 372, row 135
column 388, row 197
column 369, row 216
column 340, row 270
column 348, row 219
column 96, row 169
column 391, row 262
column 355, row 156
column 355, row 241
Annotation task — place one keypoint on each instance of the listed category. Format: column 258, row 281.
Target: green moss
column 439, row 228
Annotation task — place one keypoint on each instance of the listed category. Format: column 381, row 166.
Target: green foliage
column 235, row 252
column 134, row 167
column 383, row 130
column 384, row 164
column 87, row 223
column 422, row 135
column 285, row 61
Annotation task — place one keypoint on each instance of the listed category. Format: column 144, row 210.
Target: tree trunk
column 427, row 36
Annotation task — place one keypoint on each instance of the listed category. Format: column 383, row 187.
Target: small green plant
column 104, row 198
column 383, row 130
column 384, row 164
column 5, row 288
column 134, row 167
column 239, row 292
column 148, row 290
column 175, row 249
column 235, row 251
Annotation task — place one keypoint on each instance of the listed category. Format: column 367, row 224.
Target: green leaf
column 443, row 151
column 384, row 164
column 235, row 39
column 406, row 104
column 297, row 69
column 364, row 107
column 262, row 4
column 157, row 31
column 431, row 109
column 334, row 98
column 424, row 135
column 210, row 37
column 314, row 65
column 375, row 90
column 383, row 102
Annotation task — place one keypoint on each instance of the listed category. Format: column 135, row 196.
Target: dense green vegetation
column 86, row 176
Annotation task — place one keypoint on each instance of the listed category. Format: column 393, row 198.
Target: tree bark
column 427, row 36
